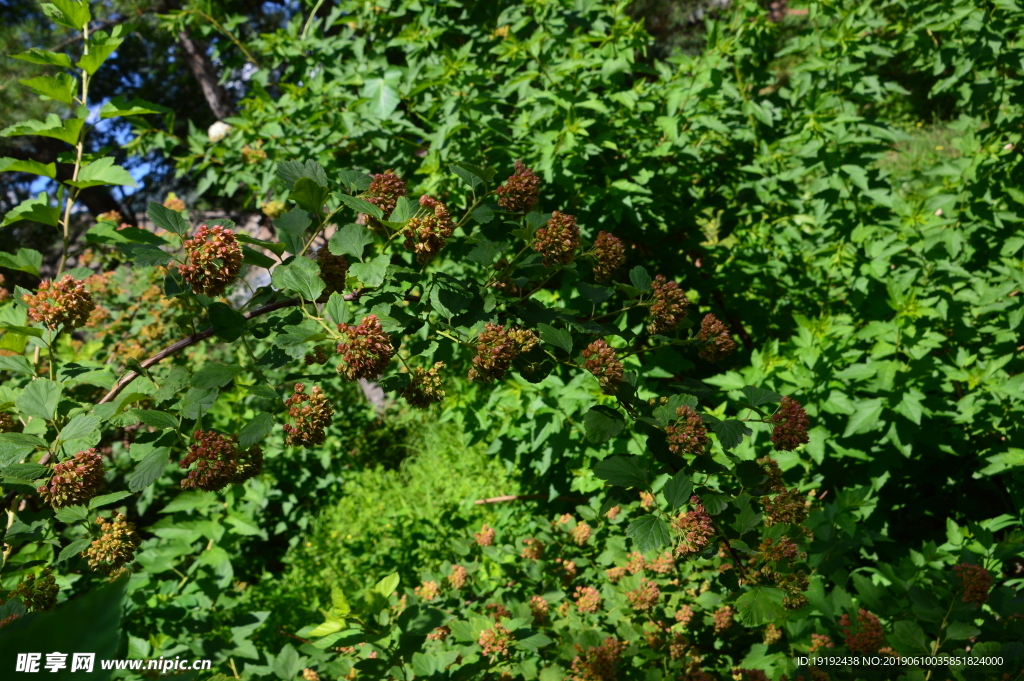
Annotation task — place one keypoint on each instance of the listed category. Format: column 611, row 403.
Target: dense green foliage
column 841, row 187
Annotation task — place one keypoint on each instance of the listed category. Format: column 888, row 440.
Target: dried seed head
column 427, row 235
column 496, row 349
column 425, row 387
column 717, row 344
column 115, row 547
column 219, row 462
column 384, row 192
column 790, row 424
column 74, row 481
column 601, row 361
column 312, row 413
column 367, row 351
column 668, row 308
column 610, row 255
column 520, row 191
column 558, row 239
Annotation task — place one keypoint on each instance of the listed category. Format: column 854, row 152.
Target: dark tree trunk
column 195, row 55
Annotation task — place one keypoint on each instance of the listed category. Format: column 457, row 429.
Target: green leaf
column 602, row 423
column 309, row 195
column 623, row 471
column 228, row 323
column 144, row 255
column 760, row 605
column 961, row 631
column 449, row 296
column 16, row 364
column 302, row 276
column 383, row 98
column 117, row 106
column 156, row 419
column 36, row 210
column 60, row 87
column 39, row 399
column 640, row 279
column 327, row 628
column 25, row 260
column 405, row 208
column 865, row 418
column 758, row 396
column 72, row 514
column 908, row 637
column 289, row 172
column 100, row 48
column 274, row 247
column 53, row 126
column 419, row 620
column 387, row 585
column 45, row 57
column 164, row 217
column 678, row 489
column 149, row 469
column 79, row 427
column 469, row 174
column 372, row 272
column 560, row 338
column 69, row 13
column 337, row 309
column 355, row 181
column 350, row 240
column 102, row 172
column 361, row 206
column 292, row 228
column 73, row 549
column 730, row 432
column 106, row 499
column 649, row 533
column 16, row 446
column 215, row 375
column 255, row 430
column 11, row 165
column 21, row 330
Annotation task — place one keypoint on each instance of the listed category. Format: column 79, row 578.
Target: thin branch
column 516, row 497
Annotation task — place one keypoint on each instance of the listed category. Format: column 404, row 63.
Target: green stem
column 309, row 21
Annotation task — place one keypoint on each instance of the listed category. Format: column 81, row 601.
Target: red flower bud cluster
column 439, row 634
column 367, row 351
column 172, row 201
column 783, row 550
column 636, row 563
column 495, row 641
column 74, row 481
column 580, row 534
column 790, row 426
column 62, row 302
column 687, row 435
column 600, row 663
column 645, row 596
column 533, row 549
column 458, row 577
column 558, row 239
column 819, row 641
column 485, row 537
column 333, row 270
column 520, row 191
column 539, row 607
column 317, row 356
column 219, row 462
column 788, row 506
column 615, row 574
column 717, row 344
column 37, row 594
column 684, row 614
column 772, row 635
column 588, row 599
column 601, row 361
column 115, row 546
column 610, row 255
column 427, row 590
column 724, row 618
column 425, row 387
column 312, row 414
column 696, row 529
column 976, row 581
column 214, row 260
column 867, row 637
column 383, row 192
column 427, row 235
column 496, row 348
column 668, row 308
column 663, row 564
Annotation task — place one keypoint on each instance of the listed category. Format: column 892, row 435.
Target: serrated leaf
column 291, row 228
column 254, row 431
column 302, row 276
column 909, row 637
column 149, row 469
column 602, row 423
column 156, row 419
column 39, row 399
column 350, row 240
column 102, row 171
column 383, row 98
column 560, row 338
column 17, row 364
column 25, row 260
column 73, row 549
column 678, row 489
column 640, row 279
column 730, row 432
column 36, row 210
column 337, row 309
column 361, row 206
column 372, row 272
column 117, row 106
column 105, row 499
column 289, row 172
column 60, row 87
column 71, row 514
column 45, row 57
column 168, row 219
column 309, row 195
column 254, row 257
column 145, row 255
column 758, row 396
column 760, row 605
column 215, row 375
column 961, row 631
column 355, row 181
column 99, row 51
column 53, row 126
column 79, row 427
column 649, row 533
column 69, row 13
column 621, row 471
column 16, row 446
column 21, row 330
column 405, row 208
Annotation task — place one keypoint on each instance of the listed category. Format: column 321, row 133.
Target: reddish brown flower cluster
column 647, row 500
column 613, row 512
column 601, row 361
column 7, row 422
column 485, row 537
column 496, row 348
column 580, row 534
column 588, row 599
column 776, row 552
column 645, row 596
column 214, row 260
column 428, row 234
column 4, row 293
column 312, row 413
column 615, row 574
column 62, row 302
column 687, row 435
column 383, row 192
column 427, row 590
column 115, row 546
column 819, row 641
column 172, row 201
column 663, row 564
column 696, row 529
column 458, row 577
column 684, row 615
column 600, row 663
column 716, row 343
column 520, row 191
column 636, row 562
column 539, row 607
column 610, row 255
column 724, row 618
column 439, row 634
column 219, row 462
column 367, row 350
column 669, row 306
column 533, row 549
column 976, row 581
column 425, row 387
column 333, row 270
column 788, row 506
column 37, row 594
column 772, row 635
column 74, row 481
column 317, row 356
column 789, row 426
column 867, row 637
column 495, row 641
column 497, row 611
column 558, row 239
column 750, row 675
